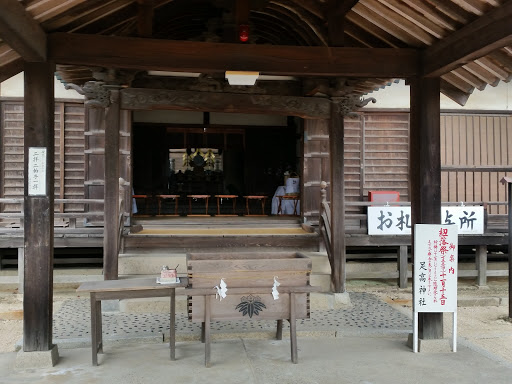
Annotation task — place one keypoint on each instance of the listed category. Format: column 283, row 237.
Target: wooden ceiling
column 344, row 46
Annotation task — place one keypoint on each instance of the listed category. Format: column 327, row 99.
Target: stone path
column 368, row 314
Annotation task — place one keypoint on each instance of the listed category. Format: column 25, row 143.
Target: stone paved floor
column 367, row 314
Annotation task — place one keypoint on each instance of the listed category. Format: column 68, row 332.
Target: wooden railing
column 120, row 222
column 356, row 229
column 12, row 222
column 325, row 225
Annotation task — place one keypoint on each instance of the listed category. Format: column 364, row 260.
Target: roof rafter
column 187, row 56
column 11, row 69
column 479, row 38
column 21, row 32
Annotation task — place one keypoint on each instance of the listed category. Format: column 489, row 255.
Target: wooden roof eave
column 22, row 33
column 486, row 34
column 11, row 69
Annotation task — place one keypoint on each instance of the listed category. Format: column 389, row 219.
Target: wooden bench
column 250, row 279
column 206, row 199
column 127, row 289
column 294, row 198
column 167, row 197
column 261, row 198
column 227, row 197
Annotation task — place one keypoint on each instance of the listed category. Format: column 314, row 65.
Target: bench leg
column 293, row 329
column 96, row 328
column 279, row 331
column 172, row 329
column 207, row 314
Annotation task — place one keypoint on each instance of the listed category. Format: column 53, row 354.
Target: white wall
column 13, row 87
column 491, row 98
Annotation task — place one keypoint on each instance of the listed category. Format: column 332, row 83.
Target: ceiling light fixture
column 241, row 77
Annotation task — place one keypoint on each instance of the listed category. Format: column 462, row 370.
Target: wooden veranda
column 337, row 50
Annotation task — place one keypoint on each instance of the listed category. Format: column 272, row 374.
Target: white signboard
column 469, row 219
column 389, row 220
column 36, row 171
column 435, row 271
column 397, row 220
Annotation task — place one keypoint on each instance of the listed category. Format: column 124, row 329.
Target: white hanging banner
column 388, row 220
column 435, row 273
column 36, row 171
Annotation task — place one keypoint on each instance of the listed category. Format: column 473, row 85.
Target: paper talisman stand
column 435, row 273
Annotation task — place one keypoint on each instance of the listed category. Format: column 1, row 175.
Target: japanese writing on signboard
column 36, row 171
column 435, row 268
column 397, row 220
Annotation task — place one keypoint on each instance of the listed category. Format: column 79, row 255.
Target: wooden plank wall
column 11, row 180
column 386, row 152
column 353, row 157
column 475, row 140
column 315, row 166
column 69, row 152
column 376, row 151
column 376, row 157
column 71, row 165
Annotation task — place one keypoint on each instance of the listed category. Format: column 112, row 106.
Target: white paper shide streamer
column 222, row 288
column 275, row 293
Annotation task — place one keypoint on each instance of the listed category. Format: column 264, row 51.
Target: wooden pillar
column 336, row 150
column 481, row 264
column 39, row 139
column 110, row 241
column 425, row 173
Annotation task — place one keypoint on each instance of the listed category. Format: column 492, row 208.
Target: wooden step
column 188, row 243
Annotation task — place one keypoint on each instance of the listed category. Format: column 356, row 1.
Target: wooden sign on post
column 435, row 273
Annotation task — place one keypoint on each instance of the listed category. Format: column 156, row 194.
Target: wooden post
column 425, row 173
column 38, row 208
column 402, row 266
column 509, row 250
column 508, row 180
column 111, row 189
column 337, row 165
column 481, row 264
column 21, row 270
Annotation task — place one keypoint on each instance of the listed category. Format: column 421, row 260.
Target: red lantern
column 243, row 33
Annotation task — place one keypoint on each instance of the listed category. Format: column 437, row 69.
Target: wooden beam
column 335, row 16
column 479, row 38
column 188, row 56
column 145, row 18
column 21, row 32
column 425, row 173
column 157, row 99
column 38, row 210
column 11, row 69
column 345, row 7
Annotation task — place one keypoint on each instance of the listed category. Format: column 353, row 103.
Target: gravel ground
column 485, row 327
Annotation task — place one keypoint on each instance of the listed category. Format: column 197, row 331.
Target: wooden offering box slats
column 249, row 270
